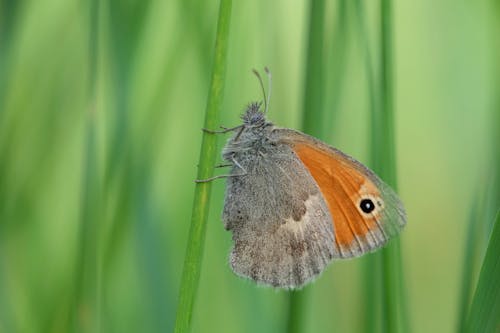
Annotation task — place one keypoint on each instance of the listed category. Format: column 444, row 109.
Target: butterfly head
column 253, row 116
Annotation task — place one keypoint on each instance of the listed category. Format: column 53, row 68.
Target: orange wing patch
column 344, row 187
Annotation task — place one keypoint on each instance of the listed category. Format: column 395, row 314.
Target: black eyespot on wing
column 367, row 206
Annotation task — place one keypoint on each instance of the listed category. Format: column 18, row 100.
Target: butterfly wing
column 366, row 212
column 281, row 225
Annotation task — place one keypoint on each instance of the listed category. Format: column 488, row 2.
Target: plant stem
column 196, row 238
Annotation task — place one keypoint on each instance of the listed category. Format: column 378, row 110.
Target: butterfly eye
column 367, row 206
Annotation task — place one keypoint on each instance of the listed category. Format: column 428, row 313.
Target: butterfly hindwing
column 281, row 225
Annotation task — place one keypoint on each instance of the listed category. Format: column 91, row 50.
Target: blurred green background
column 101, row 106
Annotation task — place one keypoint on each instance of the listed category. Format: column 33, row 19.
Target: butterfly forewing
column 365, row 211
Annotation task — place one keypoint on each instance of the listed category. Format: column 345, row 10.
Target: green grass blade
column 482, row 219
column 312, row 124
column 86, row 297
column 484, row 315
column 122, row 24
column 150, row 253
column 479, row 229
column 296, row 308
column 9, row 11
column 384, row 163
column 393, row 311
column 362, row 32
column 469, row 265
column 313, row 111
column 484, row 312
column 394, row 303
column 335, row 65
column 194, row 252
column 372, row 296
column 495, row 111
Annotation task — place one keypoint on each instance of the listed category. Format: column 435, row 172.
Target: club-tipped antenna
column 267, row 98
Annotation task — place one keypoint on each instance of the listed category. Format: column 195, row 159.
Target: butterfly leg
column 224, row 176
column 223, row 165
column 213, row 178
column 224, row 130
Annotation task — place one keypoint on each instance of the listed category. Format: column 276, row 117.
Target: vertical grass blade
column 482, row 213
column 312, row 123
column 372, row 296
column 384, row 121
column 296, row 308
column 313, row 111
column 85, row 309
column 150, row 253
column 495, row 121
column 9, row 11
column 384, row 163
column 122, row 24
column 469, row 263
column 335, row 64
column 484, row 315
column 484, row 312
column 196, row 238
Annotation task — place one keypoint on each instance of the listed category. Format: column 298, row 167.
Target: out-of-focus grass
column 372, row 296
column 313, row 112
column 477, row 236
column 384, row 163
column 470, row 262
column 484, row 314
column 138, row 159
column 87, row 297
column 335, row 67
column 384, row 303
column 495, row 111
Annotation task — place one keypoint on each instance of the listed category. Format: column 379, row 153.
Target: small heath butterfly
column 294, row 203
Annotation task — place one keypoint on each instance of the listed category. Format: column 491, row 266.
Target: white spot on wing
column 297, row 227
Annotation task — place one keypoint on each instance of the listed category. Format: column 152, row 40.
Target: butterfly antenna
column 262, row 86
column 269, row 87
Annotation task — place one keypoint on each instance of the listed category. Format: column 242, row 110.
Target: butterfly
column 293, row 203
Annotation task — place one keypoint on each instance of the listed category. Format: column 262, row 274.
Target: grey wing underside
column 282, row 229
